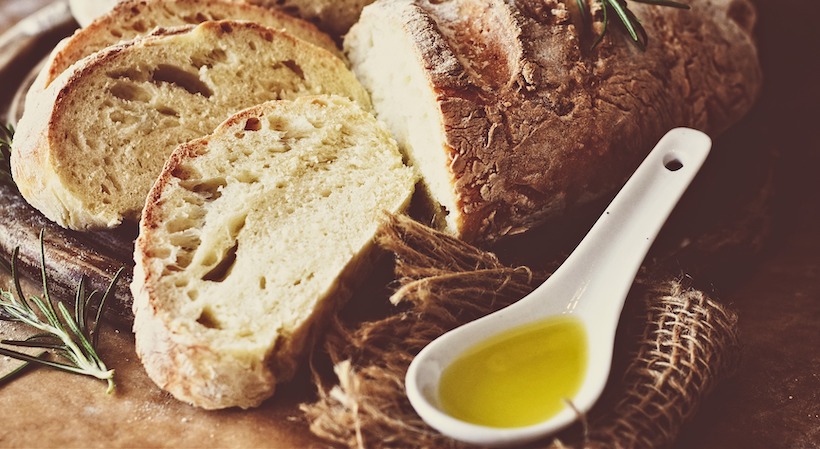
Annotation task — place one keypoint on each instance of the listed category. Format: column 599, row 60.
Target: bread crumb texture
column 251, row 237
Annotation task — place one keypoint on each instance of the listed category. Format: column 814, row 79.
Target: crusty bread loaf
column 511, row 116
column 133, row 18
column 251, row 236
column 88, row 150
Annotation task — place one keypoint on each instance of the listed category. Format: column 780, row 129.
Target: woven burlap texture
column 674, row 344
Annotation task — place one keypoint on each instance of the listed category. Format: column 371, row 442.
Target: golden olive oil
column 519, row 377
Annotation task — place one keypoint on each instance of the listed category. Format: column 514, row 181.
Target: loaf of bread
column 251, row 236
column 91, row 145
column 512, row 116
column 133, row 18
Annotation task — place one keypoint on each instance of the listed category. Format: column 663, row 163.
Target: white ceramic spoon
column 590, row 285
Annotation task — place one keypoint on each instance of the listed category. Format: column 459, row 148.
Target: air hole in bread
column 165, row 110
column 129, row 91
column 186, row 243
column 291, row 65
column 278, row 123
column 207, row 319
column 216, row 55
column 253, row 124
column 209, row 189
column 247, row 177
column 181, row 173
column 179, row 225
column 139, row 26
column 131, row 73
column 263, row 283
column 166, row 73
column 120, row 118
column 223, row 268
column 236, row 225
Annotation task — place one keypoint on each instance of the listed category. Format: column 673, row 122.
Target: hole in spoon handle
column 672, row 163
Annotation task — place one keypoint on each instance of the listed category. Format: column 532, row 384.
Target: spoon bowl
column 590, row 286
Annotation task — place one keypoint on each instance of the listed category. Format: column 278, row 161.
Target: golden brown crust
column 145, row 15
column 134, row 18
column 537, row 122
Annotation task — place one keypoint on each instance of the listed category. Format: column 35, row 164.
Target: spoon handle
column 603, row 266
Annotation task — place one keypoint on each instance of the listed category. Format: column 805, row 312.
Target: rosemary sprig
column 633, row 26
column 6, row 134
column 72, row 337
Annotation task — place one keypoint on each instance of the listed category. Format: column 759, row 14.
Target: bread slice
column 92, row 145
column 133, row 18
column 251, row 236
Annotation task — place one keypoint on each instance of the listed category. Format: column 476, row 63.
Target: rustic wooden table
column 773, row 401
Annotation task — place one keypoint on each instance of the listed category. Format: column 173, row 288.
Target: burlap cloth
column 674, row 344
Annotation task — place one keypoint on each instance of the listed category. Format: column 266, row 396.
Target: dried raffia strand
column 688, row 342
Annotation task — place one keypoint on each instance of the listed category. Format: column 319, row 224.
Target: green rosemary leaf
column 32, row 359
column 664, row 3
column 604, row 26
column 101, row 306
column 79, row 304
column 582, row 7
column 32, row 344
column 20, row 369
column 11, row 268
column 631, row 23
column 628, row 19
column 51, row 314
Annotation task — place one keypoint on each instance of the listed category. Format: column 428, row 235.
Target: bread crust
column 536, row 122
column 132, row 18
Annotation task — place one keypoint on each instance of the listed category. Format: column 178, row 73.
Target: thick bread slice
column 92, row 145
column 133, row 18
column 511, row 117
column 251, row 236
